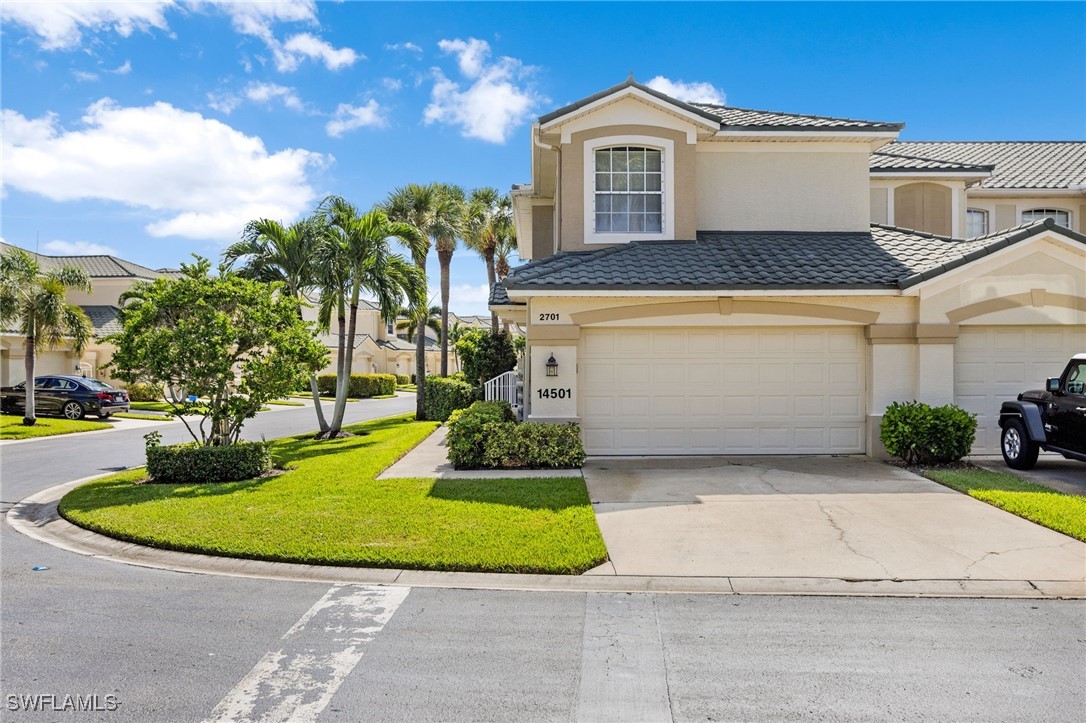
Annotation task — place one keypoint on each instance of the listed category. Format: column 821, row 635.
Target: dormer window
column 629, row 190
column 976, row 222
column 1063, row 218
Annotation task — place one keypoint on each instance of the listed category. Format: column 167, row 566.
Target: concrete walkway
column 837, row 518
column 430, row 459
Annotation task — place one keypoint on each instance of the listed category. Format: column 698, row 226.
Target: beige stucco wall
column 572, row 194
column 104, row 292
column 783, row 187
column 1006, row 212
column 542, row 231
column 878, row 205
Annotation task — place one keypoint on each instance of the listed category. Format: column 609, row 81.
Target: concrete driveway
column 839, row 517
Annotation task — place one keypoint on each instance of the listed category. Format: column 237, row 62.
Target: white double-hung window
column 628, row 189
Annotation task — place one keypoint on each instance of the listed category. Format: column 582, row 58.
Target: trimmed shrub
column 444, row 395
column 144, row 393
column 920, row 434
column 403, row 379
column 360, row 385
column 467, row 432
column 198, row 464
column 533, row 446
column 485, row 354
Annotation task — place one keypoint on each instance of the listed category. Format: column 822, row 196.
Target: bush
column 360, row 385
column 467, row 433
column 444, row 395
column 403, row 379
column 920, row 434
column 144, row 393
column 197, row 464
column 485, row 354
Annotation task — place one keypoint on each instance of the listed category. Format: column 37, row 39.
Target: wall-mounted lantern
column 552, row 366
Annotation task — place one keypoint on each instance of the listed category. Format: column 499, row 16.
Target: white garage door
column 994, row 363
column 722, row 391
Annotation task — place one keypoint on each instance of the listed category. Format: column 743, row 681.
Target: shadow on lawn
column 296, row 449
column 551, row 493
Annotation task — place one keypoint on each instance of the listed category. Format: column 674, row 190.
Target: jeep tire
column 1019, row 451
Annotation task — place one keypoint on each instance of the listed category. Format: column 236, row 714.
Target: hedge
column 144, row 393
column 920, row 434
column 444, row 395
column 360, row 385
column 485, row 436
column 403, row 379
column 197, row 464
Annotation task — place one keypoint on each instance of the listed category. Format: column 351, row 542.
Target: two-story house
column 715, row 280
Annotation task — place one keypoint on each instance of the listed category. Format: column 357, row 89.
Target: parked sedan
column 70, row 396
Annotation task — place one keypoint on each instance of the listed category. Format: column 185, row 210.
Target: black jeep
column 1053, row 420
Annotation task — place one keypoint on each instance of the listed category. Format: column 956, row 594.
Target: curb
column 53, row 437
column 37, row 517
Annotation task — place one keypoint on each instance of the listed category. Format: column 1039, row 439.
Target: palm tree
column 489, row 218
column 506, row 247
column 456, row 333
column 35, row 302
column 448, row 225
column 273, row 253
column 357, row 256
column 410, row 323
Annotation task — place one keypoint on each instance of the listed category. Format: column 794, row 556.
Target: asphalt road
column 180, row 647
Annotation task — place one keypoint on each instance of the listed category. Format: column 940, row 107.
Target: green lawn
column 151, row 406
column 1056, row 510
column 406, row 388
column 11, row 427
column 330, row 510
column 286, row 403
column 308, row 396
column 148, row 417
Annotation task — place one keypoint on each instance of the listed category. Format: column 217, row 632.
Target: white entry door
column 738, row 390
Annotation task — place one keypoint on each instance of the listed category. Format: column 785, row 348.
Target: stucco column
column 552, row 398
column 935, row 374
column 892, row 375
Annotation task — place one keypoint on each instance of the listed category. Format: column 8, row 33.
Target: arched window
column 629, row 190
column 1063, row 218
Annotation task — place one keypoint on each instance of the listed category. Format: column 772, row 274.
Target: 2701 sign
column 554, row 393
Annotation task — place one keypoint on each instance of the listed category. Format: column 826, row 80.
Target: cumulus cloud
column 304, row 46
column 124, row 69
column 496, row 100
column 77, row 248
column 257, row 92
column 349, row 117
column 465, row 298
column 60, row 25
column 199, row 177
column 411, row 47
column 688, row 92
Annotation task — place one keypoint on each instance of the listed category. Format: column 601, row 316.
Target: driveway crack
column 844, row 541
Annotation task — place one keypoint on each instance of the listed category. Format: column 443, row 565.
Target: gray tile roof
column 883, row 161
column 98, row 267
column 883, row 258
column 499, row 296
column 105, row 319
column 1017, row 164
column 399, row 344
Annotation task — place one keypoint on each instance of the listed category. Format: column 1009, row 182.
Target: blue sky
column 156, row 129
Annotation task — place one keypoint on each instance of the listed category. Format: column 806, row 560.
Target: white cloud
column 60, row 25
column 392, row 84
column 688, row 92
column 77, row 248
column 465, row 299
column 349, row 117
column 123, row 69
column 200, row 177
column 305, row 45
column 256, row 92
column 404, row 46
column 84, row 77
column 497, row 100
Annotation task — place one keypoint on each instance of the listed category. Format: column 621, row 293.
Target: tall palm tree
column 35, row 302
column 456, row 333
column 448, row 225
column 272, row 252
column 506, row 247
column 358, row 258
column 489, row 218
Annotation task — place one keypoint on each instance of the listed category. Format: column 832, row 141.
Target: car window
column 1076, row 379
column 45, row 382
column 65, row 384
column 96, row 385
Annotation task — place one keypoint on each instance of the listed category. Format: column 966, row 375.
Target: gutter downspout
column 557, row 186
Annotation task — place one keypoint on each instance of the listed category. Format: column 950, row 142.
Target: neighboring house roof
column 1017, row 164
column 314, row 298
column 399, row 344
column 883, row 258
column 331, row 341
column 105, row 319
column 732, row 118
column 881, row 161
column 98, row 266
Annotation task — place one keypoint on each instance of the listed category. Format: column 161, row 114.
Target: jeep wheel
column 1019, row 451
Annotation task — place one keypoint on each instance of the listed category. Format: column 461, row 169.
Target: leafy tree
column 489, row 220
column 357, row 257
column 34, row 302
column 271, row 252
column 231, row 342
column 485, row 354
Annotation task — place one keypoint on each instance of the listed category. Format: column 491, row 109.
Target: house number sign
column 548, row 316
column 554, row 393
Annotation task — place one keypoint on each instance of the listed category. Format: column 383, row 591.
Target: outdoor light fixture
column 552, row 366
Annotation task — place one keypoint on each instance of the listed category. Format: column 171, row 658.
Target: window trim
column 667, row 147
column 987, row 221
column 1046, row 210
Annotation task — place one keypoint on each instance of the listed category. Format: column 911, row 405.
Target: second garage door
column 723, row 391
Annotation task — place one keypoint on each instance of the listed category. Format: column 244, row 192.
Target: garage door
column 722, row 391
column 994, row 363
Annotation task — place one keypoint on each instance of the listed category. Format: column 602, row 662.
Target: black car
column 73, row 397
column 1053, row 420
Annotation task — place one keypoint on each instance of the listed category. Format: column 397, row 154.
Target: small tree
column 485, row 354
column 232, row 343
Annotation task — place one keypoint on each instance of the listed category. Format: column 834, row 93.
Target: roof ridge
column 960, row 164
column 797, row 115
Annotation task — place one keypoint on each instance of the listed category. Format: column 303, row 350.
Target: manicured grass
column 11, row 427
column 407, row 388
column 151, row 406
column 148, row 417
column 286, row 403
column 330, row 510
column 1056, row 510
column 306, row 395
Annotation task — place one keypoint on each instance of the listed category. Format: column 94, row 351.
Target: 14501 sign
column 554, row 393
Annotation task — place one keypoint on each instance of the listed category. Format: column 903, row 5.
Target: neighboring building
column 717, row 280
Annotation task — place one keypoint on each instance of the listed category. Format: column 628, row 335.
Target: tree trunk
column 348, row 361
column 420, row 372
column 322, row 423
column 491, row 279
column 29, row 417
column 445, row 258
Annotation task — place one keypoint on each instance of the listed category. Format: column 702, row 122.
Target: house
column 705, row 279
column 110, row 277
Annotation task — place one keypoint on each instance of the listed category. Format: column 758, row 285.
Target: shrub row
column 444, row 395
column 197, row 464
column 921, row 434
column 485, row 436
column 360, row 385
column 403, row 379
column 144, row 393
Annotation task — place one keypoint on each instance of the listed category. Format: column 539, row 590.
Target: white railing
column 505, row 388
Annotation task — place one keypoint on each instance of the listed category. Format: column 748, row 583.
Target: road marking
column 296, row 682
column 623, row 674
